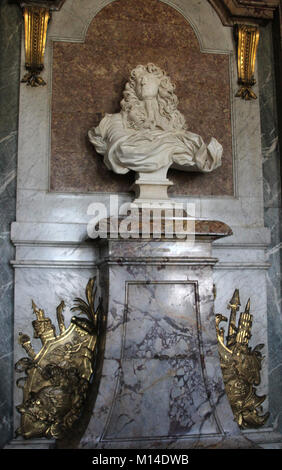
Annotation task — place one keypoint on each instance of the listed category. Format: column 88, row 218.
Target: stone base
column 257, row 439
column 20, row 443
column 161, row 384
column 264, row 438
column 241, row 441
column 152, row 193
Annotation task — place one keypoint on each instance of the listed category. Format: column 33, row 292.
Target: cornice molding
column 229, row 11
column 54, row 5
column 245, row 11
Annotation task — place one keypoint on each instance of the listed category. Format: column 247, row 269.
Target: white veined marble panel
column 162, row 389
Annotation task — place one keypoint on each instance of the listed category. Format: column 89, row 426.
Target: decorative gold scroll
column 35, row 24
column 57, row 379
column 247, row 42
column 241, row 366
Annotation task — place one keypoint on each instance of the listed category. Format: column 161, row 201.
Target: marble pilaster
column 272, row 217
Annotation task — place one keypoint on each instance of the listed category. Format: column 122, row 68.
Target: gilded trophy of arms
column 241, row 366
column 57, row 379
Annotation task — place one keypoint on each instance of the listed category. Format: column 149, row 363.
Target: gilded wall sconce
column 247, row 38
column 37, row 14
column 36, row 19
column 241, row 366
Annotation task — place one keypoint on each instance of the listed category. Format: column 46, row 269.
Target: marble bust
column 150, row 135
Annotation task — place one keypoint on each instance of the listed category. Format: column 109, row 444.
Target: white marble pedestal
column 161, row 382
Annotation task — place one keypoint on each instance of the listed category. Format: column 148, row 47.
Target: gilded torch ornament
column 57, row 379
column 234, row 306
column 36, row 19
column 247, row 37
column 241, row 366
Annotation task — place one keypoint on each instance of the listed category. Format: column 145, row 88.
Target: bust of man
column 149, row 134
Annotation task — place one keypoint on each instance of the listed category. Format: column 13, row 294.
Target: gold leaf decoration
column 241, row 366
column 57, row 379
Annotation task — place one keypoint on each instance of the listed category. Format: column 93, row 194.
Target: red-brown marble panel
column 201, row 229
column 89, row 78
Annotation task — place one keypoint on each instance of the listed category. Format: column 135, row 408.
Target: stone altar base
column 161, row 383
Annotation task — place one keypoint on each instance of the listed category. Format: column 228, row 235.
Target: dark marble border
column 10, row 37
column 269, row 103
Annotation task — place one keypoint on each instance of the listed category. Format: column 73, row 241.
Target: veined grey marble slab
column 162, row 390
column 272, row 218
column 161, row 379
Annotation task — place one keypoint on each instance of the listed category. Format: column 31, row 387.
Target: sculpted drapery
column 150, row 133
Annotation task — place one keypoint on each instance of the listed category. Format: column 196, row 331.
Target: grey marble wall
column 10, row 34
column 272, row 217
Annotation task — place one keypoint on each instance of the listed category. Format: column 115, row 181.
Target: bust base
column 152, row 193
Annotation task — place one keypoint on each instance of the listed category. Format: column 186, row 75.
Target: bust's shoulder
column 112, row 117
column 110, row 120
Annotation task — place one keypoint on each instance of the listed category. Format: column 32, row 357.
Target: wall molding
column 245, row 11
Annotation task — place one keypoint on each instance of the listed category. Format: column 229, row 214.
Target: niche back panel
column 88, row 80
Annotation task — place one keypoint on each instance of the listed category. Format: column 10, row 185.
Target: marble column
column 10, row 37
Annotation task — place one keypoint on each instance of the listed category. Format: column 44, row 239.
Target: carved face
column 147, row 86
column 237, row 390
column 44, row 412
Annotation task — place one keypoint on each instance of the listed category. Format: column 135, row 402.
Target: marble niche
column 150, row 135
column 151, row 288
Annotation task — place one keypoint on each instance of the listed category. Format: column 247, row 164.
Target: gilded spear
column 234, row 305
column 60, row 317
column 244, row 326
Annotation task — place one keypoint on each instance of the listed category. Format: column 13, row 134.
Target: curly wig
column 133, row 109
